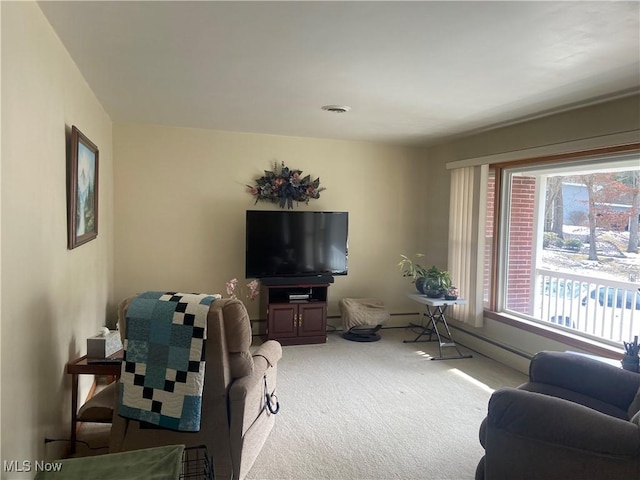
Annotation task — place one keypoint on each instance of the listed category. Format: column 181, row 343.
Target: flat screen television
column 296, row 244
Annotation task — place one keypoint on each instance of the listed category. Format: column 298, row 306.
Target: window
column 561, row 245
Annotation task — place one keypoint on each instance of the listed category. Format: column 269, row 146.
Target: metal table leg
column 425, row 330
column 435, row 316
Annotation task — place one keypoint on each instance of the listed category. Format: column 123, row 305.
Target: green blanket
column 160, row 463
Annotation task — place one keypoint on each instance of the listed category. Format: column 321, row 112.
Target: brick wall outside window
column 521, row 244
column 488, row 238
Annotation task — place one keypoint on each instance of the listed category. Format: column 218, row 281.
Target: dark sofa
column 576, row 418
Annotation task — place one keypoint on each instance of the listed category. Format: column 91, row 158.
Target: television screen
column 296, row 244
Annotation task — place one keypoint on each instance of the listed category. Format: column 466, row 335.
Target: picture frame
column 82, row 190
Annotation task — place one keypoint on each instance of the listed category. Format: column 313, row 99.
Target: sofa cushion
column 559, row 423
column 237, row 327
column 588, row 376
column 575, row 397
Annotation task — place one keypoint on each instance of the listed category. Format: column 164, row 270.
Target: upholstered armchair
column 235, row 417
column 576, row 418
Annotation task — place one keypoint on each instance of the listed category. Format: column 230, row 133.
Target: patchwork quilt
column 162, row 375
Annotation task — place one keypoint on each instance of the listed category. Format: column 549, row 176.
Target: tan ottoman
column 362, row 318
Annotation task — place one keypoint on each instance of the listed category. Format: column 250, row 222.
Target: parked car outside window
column 624, row 298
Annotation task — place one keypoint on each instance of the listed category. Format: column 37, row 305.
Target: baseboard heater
column 391, row 314
column 491, row 342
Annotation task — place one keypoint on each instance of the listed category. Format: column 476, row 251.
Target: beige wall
column 181, row 197
column 178, row 197
column 52, row 298
column 609, row 118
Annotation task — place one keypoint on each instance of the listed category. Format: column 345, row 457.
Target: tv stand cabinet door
column 313, row 321
column 282, row 321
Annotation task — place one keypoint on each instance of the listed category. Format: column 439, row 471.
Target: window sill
column 575, row 341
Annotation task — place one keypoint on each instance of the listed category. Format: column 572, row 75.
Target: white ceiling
column 412, row 72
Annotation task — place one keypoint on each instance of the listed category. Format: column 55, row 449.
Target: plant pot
column 631, row 363
column 451, row 293
column 420, row 284
column 431, row 293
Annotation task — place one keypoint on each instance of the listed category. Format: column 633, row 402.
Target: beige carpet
column 360, row 411
column 378, row 410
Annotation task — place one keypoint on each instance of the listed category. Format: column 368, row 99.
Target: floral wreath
column 285, row 187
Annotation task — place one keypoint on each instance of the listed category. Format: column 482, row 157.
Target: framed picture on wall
column 82, row 190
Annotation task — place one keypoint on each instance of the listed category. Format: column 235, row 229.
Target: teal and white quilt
column 162, row 374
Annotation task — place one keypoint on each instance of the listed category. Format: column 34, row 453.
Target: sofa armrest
column 265, row 360
column 562, row 423
column 247, row 394
column 270, row 350
column 587, row 376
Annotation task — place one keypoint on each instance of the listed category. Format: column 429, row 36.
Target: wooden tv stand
column 296, row 314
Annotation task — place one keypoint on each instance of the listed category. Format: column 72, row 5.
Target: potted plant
column 630, row 360
column 451, row 293
column 437, row 283
column 412, row 269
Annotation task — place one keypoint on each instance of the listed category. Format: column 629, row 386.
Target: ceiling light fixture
column 336, row 108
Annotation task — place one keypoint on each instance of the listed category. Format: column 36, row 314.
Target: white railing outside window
column 564, row 254
column 608, row 310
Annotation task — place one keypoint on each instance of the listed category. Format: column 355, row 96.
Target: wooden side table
column 85, row 366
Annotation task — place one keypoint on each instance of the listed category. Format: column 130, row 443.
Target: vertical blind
column 466, row 241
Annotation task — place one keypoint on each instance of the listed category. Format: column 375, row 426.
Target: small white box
column 103, row 346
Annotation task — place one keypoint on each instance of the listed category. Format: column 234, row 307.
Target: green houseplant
column 437, row 282
column 412, row 269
